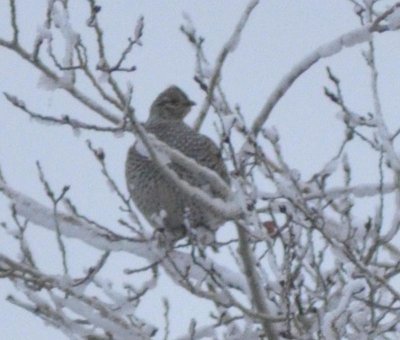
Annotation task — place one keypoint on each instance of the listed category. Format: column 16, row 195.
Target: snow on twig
column 329, row 328
column 99, row 313
column 72, row 227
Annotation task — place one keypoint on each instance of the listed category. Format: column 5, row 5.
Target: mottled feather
column 161, row 202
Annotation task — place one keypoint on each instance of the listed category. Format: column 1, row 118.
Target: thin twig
column 229, row 47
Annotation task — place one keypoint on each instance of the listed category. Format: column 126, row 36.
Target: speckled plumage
column 151, row 191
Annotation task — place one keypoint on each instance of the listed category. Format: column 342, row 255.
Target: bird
column 162, row 203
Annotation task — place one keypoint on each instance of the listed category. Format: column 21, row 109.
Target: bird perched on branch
column 166, row 206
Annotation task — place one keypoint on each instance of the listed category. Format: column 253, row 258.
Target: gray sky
column 280, row 33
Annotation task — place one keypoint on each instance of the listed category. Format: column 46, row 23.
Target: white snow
column 228, row 121
column 159, row 218
column 356, row 37
column 330, row 167
column 247, row 148
column 71, row 227
column 347, row 40
column 47, row 83
column 43, row 33
column 295, row 174
column 141, row 149
column 330, row 49
column 332, row 326
column 162, row 156
column 61, row 20
column 271, row 134
column 354, row 119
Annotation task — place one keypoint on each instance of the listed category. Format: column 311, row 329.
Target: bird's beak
column 191, row 103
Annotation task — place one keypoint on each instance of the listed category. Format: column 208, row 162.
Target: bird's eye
column 173, row 102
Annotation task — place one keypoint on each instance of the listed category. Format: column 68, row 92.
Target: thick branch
column 254, row 281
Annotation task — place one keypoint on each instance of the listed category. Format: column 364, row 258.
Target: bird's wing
column 192, row 144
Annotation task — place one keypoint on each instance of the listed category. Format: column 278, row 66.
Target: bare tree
column 304, row 264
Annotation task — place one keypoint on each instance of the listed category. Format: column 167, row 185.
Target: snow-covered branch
column 313, row 255
column 101, row 315
column 350, row 39
column 71, row 226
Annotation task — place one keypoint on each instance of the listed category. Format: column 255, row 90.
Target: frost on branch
column 62, row 22
column 303, row 256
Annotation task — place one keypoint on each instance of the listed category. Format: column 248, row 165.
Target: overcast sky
column 279, row 34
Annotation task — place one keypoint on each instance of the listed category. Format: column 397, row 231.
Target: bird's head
column 171, row 104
